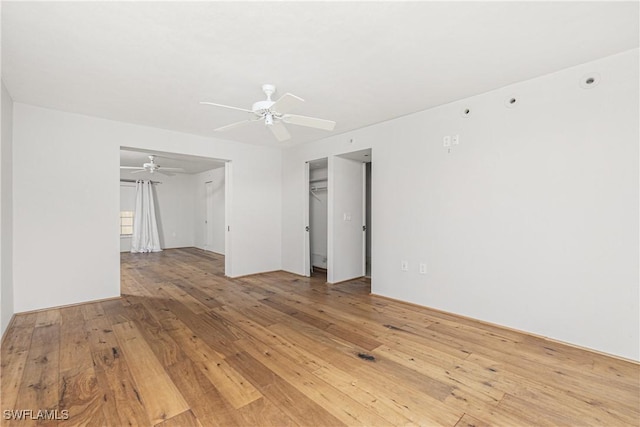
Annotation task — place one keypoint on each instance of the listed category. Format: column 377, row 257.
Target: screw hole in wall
column 511, row 102
column 589, row 81
column 465, row 112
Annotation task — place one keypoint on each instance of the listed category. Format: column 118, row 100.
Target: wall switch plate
column 404, row 265
column 423, row 268
column 455, row 140
column 347, row 216
column 446, row 141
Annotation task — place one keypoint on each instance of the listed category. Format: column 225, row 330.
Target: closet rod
column 135, row 180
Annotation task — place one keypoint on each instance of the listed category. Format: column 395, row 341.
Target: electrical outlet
column 455, row 140
column 404, row 265
column 423, row 268
column 446, row 141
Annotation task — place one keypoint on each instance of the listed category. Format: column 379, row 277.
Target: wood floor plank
column 298, row 407
column 205, row 401
column 186, row 345
column 81, row 395
column 163, row 346
column 173, row 292
column 262, row 412
column 208, row 327
column 231, row 384
column 100, row 334
column 161, row 398
column 40, row 380
column 459, row 390
column 11, row 377
column 196, row 292
column 48, row 318
column 122, row 404
column 75, row 355
column 337, row 403
column 185, row 419
column 92, row 311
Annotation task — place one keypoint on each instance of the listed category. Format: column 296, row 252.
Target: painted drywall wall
column 6, row 212
column 66, row 191
column 318, row 216
column 216, row 216
column 175, row 204
column 530, row 222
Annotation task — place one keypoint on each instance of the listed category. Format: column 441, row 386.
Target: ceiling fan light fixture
column 276, row 113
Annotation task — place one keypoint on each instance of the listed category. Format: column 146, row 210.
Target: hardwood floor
column 185, row 346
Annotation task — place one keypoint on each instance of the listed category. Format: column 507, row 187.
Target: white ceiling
column 357, row 63
column 190, row 164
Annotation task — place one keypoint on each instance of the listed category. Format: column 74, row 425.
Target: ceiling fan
column 275, row 113
column 153, row 167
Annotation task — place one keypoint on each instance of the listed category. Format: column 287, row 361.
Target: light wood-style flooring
column 185, row 346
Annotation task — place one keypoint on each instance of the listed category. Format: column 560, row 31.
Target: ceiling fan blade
column 311, row 122
column 286, row 103
column 226, row 106
column 164, row 173
column 170, row 169
column 279, row 131
column 236, row 124
column 139, row 171
column 130, row 167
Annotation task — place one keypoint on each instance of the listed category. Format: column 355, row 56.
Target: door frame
column 228, row 218
column 364, row 219
column 306, row 241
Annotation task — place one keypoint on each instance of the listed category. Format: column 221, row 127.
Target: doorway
column 318, row 215
column 192, row 196
column 337, row 216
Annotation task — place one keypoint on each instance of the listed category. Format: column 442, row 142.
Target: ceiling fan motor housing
column 263, row 108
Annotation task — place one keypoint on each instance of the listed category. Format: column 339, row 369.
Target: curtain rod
column 136, row 180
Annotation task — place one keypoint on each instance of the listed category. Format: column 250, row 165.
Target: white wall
column 6, row 212
column 66, row 241
column 175, row 203
column 531, row 222
column 217, row 216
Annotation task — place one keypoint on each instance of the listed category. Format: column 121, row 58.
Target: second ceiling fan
column 153, row 167
column 275, row 113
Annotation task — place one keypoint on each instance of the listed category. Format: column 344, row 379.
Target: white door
column 306, row 250
column 346, row 219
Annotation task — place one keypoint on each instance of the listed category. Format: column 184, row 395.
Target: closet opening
column 318, row 217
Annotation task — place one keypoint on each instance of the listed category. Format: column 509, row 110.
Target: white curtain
column 145, row 236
